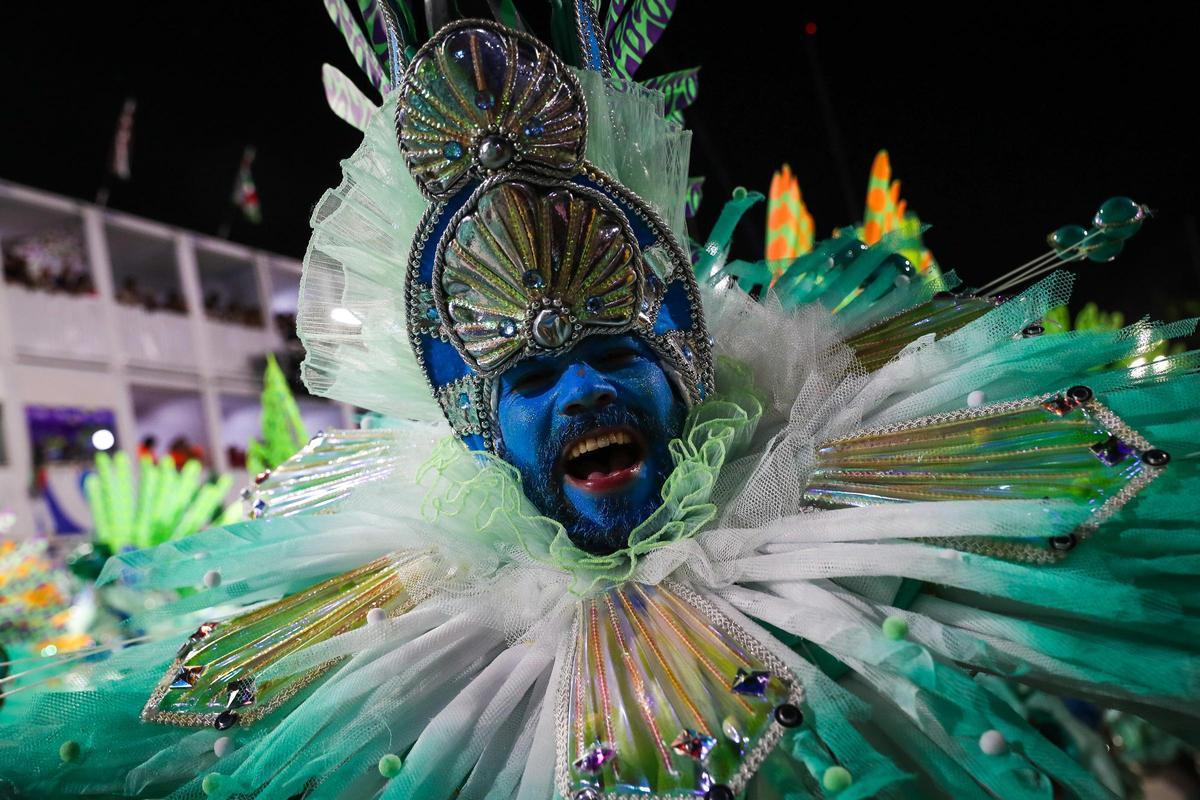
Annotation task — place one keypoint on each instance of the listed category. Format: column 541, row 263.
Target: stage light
column 345, row 316
column 103, row 439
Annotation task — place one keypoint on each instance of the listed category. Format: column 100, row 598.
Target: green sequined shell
column 481, row 98
column 536, row 266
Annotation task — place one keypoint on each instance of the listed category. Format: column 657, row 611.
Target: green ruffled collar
column 486, row 491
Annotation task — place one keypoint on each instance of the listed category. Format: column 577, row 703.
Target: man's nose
column 586, row 391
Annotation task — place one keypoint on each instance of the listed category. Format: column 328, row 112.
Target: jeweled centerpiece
column 537, row 266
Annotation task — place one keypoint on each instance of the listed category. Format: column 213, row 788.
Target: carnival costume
column 883, row 495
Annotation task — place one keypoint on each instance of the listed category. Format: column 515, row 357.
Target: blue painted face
column 588, row 431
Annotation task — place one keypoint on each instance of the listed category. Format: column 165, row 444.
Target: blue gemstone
column 594, row 305
column 751, row 683
column 533, row 279
column 1112, row 452
column 534, row 127
column 460, row 54
column 687, row 352
column 645, row 305
column 508, row 328
column 464, row 400
column 484, row 100
column 594, row 759
column 452, row 150
column 431, row 314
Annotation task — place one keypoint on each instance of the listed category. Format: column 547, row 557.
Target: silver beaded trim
column 464, row 416
column 589, row 9
column 424, row 313
column 752, row 760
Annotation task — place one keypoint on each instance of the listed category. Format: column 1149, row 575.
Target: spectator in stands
column 148, row 447
column 129, row 294
column 179, row 451
column 183, row 451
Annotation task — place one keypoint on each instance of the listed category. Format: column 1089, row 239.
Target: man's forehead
column 589, row 346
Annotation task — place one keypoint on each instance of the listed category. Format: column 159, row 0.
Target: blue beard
column 608, row 530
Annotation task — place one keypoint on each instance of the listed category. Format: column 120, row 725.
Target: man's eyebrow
column 531, row 363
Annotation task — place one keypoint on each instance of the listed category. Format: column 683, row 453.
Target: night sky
column 1003, row 122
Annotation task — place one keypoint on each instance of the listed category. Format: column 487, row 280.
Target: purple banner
column 66, row 434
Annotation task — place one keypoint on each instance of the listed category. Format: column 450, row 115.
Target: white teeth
column 596, row 442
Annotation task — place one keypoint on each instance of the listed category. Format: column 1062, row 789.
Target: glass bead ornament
column 1119, row 218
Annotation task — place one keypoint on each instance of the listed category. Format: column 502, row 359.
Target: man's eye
column 533, row 381
column 616, row 359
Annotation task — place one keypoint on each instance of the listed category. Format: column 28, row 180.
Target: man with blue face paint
column 559, row 324
column 588, row 432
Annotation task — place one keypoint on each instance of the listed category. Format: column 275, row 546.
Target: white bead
column 376, row 616
column 223, row 746
column 992, row 743
column 212, row 579
column 975, row 399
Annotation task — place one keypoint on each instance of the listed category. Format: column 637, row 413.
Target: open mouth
column 603, row 460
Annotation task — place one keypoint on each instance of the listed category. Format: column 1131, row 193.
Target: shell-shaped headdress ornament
column 528, row 247
column 479, row 98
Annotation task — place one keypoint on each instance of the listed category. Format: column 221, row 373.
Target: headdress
column 528, row 244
